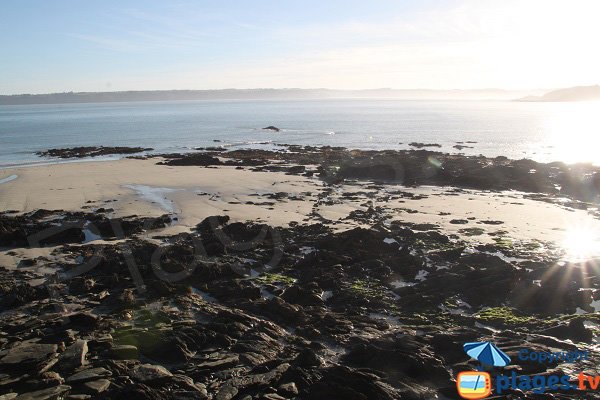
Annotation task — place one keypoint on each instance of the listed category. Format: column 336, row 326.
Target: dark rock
column 53, row 393
column 272, row 128
column 297, row 295
column 97, row 386
column 227, row 392
column 308, row 358
column 421, row 145
column 27, row 355
column 462, row 146
column 51, row 378
column 13, row 294
column 574, row 330
column 297, row 169
column 259, row 380
column 282, row 310
column 73, row 357
column 400, row 357
column 370, row 171
column 288, row 389
column 149, row 372
column 89, row 375
column 221, row 363
column 343, row 383
column 125, row 352
column 200, row 159
column 90, row 151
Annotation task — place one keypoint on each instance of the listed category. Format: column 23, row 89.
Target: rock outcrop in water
column 90, row 151
column 272, row 128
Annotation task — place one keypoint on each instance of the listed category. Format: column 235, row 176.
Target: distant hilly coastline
column 257, row 94
column 578, row 93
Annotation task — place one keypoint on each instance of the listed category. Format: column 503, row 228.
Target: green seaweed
column 274, row 278
column 472, row 231
column 504, row 242
column 369, row 288
column 506, row 316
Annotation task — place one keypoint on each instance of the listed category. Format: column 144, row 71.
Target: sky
column 73, row 45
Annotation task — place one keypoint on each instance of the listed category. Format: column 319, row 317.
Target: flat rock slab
column 52, row 393
column 220, row 363
column 89, row 374
column 28, row 353
column 97, row 386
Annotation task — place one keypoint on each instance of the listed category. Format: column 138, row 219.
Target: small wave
column 46, row 162
column 300, row 131
column 246, row 143
column 290, row 130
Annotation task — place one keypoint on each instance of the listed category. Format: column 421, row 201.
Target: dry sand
column 140, row 187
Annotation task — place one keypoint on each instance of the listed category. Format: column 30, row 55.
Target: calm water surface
column 542, row 131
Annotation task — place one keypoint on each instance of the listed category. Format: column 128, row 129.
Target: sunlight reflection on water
column 573, row 131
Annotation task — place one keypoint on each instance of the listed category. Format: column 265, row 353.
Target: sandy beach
column 144, row 188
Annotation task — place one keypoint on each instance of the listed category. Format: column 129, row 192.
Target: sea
column 568, row 132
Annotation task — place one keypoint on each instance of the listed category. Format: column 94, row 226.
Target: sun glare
column 581, row 244
column 572, row 131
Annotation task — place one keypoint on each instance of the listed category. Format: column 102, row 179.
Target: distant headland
column 578, row 93
column 258, row 94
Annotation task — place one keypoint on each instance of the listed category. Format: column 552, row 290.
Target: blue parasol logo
column 487, row 354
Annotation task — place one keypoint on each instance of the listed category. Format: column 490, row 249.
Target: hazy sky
column 60, row 45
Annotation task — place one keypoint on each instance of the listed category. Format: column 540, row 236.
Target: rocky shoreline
column 90, row 151
column 244, row 310
column 411, row 168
